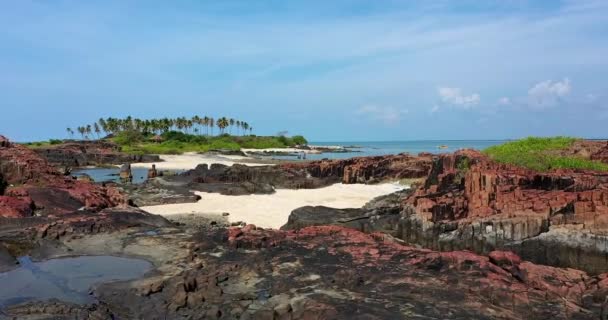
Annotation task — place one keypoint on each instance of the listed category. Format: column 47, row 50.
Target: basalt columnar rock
column 90, row 153
column 34, row 186
column 468, row 201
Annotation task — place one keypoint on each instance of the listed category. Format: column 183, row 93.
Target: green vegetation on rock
column 541, row 154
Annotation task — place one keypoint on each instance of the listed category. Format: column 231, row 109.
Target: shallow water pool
column 66, row 279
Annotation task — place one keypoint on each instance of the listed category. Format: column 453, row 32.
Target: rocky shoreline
column 325, row 263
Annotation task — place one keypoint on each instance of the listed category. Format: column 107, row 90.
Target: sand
column 272, row 211
column 190, row 160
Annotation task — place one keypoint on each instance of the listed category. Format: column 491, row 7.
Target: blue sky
column 331, row 70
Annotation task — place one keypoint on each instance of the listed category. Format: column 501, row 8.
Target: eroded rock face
column 90, row 153
column 369, row 169
column 471, row 202
column 38, row 186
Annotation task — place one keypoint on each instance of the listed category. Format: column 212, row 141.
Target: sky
column 340, row 70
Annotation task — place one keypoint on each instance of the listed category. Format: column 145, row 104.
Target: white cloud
column 434, row 109
column 504, row 101
column 455, row 97
column 386, row 115
column 549, row 93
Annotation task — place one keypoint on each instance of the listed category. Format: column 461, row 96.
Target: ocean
column 377, row 148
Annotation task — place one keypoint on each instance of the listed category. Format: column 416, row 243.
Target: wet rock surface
column 89, row 153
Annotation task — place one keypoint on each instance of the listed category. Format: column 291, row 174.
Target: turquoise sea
column 375, row 148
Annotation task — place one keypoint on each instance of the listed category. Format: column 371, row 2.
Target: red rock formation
column 15, row 207
column 33, row 179
column 469, row 201
column 369, row 169
column 500, row 281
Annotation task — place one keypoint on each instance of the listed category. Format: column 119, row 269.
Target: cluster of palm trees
column 195, row 125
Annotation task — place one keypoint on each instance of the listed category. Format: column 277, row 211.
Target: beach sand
column 190, row 160
column 272, row 211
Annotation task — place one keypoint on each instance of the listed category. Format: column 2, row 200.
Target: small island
column 175, row 135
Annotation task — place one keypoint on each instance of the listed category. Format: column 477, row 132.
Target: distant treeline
column 196, row 125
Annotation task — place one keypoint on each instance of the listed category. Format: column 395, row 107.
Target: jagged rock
column 158, row 191
column 368, row 169
column 51, row 192
column 471, row 202
column 379, row 215
column 90, row 153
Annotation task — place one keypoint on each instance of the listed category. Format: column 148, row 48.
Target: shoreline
column 190, row 160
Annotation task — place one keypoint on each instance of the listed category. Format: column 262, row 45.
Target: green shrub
column 541, row 154
column 55, row 141
column 299, row 140
column 128, row 137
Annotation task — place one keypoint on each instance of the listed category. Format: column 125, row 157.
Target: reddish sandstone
column 45, row 186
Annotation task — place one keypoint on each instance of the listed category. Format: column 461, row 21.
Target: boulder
column 125, row 173
column 152, row 173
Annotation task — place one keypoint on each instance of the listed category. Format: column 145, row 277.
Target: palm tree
column 69, row 130
column 222, row 123
column 81, row 130
column 103, row 125
column 97, row 129
column 206, row 124
column 211, row 124
column 231, row 122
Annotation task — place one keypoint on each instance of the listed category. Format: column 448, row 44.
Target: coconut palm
column 96, row 129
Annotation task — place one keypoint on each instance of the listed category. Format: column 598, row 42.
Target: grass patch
column 540, row 154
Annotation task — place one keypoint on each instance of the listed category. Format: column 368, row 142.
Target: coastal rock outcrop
column 327, row 272
column 89, row 153
column 368, row 169
column 382, row 214
column 35, row 186
column 345, row 266
column 470, row 202
column 241, row 179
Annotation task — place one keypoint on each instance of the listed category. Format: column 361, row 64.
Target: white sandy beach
column 272, row 211
column 190, row 160
column 313, row 150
